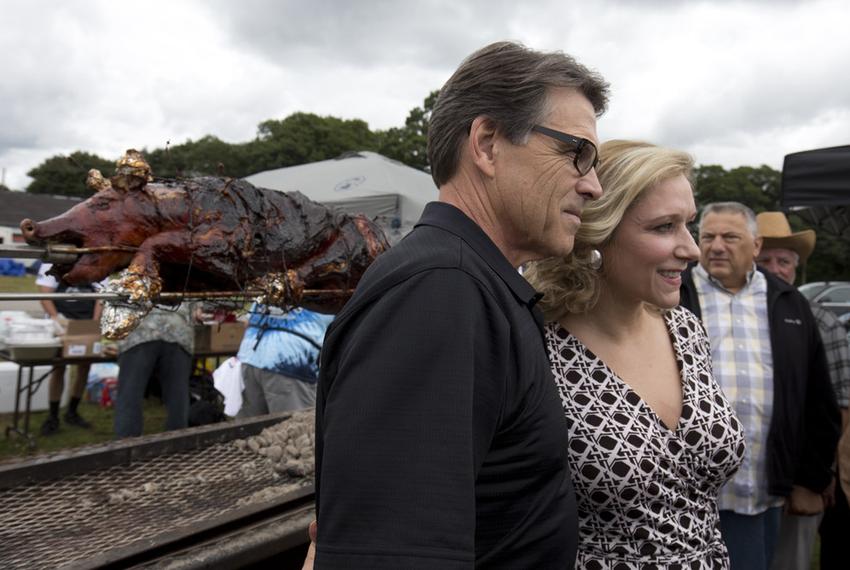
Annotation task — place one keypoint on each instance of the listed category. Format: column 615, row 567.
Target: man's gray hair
column 731, row 208
column 508, row 83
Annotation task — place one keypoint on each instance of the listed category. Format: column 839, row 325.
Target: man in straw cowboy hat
column 782, row 252
column 769, row 359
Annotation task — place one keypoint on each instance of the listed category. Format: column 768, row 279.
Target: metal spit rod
column 56, row 253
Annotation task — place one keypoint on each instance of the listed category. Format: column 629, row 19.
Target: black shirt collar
column 449, row 218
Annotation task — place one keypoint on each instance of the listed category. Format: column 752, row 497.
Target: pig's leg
column 142, row 280
column 210, row 251
column 328, row 269
column 94, row 267
column 341, row 264
column 343, row 260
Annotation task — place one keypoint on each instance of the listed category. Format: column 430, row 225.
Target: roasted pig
column 206, row 234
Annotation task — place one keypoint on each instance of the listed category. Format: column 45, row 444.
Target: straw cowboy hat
column 776, row 231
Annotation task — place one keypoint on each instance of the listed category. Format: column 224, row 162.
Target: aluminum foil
column 283, row 290
column 119, row 318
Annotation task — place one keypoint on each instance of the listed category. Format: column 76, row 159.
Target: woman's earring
column 595, row 259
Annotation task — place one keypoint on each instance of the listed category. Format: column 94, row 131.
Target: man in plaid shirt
column 781, row 252
column 769, row 360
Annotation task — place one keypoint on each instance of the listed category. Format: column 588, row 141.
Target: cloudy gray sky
column 733, row 82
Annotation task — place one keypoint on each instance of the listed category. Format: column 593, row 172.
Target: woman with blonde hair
column 651, row 436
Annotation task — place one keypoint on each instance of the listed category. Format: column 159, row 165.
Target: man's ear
column 482, row 139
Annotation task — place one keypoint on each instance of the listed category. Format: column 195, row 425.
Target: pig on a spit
column 206, row 234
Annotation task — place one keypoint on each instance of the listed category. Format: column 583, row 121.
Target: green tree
column 830, row 261
column 206, row 156
column 409, row 144
column 301, row 138
column 66, row 175
column 758, row 188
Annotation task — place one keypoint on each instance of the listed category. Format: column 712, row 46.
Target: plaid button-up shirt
column 739, row 330
column 835, row 343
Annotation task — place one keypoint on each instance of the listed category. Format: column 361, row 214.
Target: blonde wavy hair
column 626, row 169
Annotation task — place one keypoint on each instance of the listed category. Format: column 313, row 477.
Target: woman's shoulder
column 558, row 338
column 555, row 331
column 686, row 326
column 683, row 316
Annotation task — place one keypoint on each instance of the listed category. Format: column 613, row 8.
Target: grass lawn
column 71, row 436
column 23, row 284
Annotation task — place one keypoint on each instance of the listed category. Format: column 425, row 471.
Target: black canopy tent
column 816, row 187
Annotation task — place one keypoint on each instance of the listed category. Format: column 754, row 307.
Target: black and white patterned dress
column 647, row 495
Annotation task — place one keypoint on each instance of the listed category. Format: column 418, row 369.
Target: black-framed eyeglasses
column 586, row 155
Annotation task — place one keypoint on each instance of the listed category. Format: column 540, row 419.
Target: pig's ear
column 132, row 171
column 96, row 182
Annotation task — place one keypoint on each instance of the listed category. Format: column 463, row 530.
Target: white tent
column 359, row 182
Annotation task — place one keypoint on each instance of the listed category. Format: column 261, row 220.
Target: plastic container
column 33, row 351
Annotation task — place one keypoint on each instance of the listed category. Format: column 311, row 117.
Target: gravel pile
column 289, row 445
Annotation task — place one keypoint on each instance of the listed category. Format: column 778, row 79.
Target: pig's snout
column 29, row 229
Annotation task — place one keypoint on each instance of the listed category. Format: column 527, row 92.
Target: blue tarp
column 12, row 268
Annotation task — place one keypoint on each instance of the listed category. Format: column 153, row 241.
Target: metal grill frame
column 285, row 517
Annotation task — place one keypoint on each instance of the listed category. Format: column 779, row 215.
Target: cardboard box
column 82, row 339
column 202, row 338
column 226, row 337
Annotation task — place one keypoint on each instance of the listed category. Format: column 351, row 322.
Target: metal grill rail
column 124, row 501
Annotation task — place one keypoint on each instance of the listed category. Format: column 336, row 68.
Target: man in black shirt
column 441, row 442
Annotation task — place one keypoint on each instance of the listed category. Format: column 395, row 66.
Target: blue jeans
column 172, row 366
column 750, row 539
